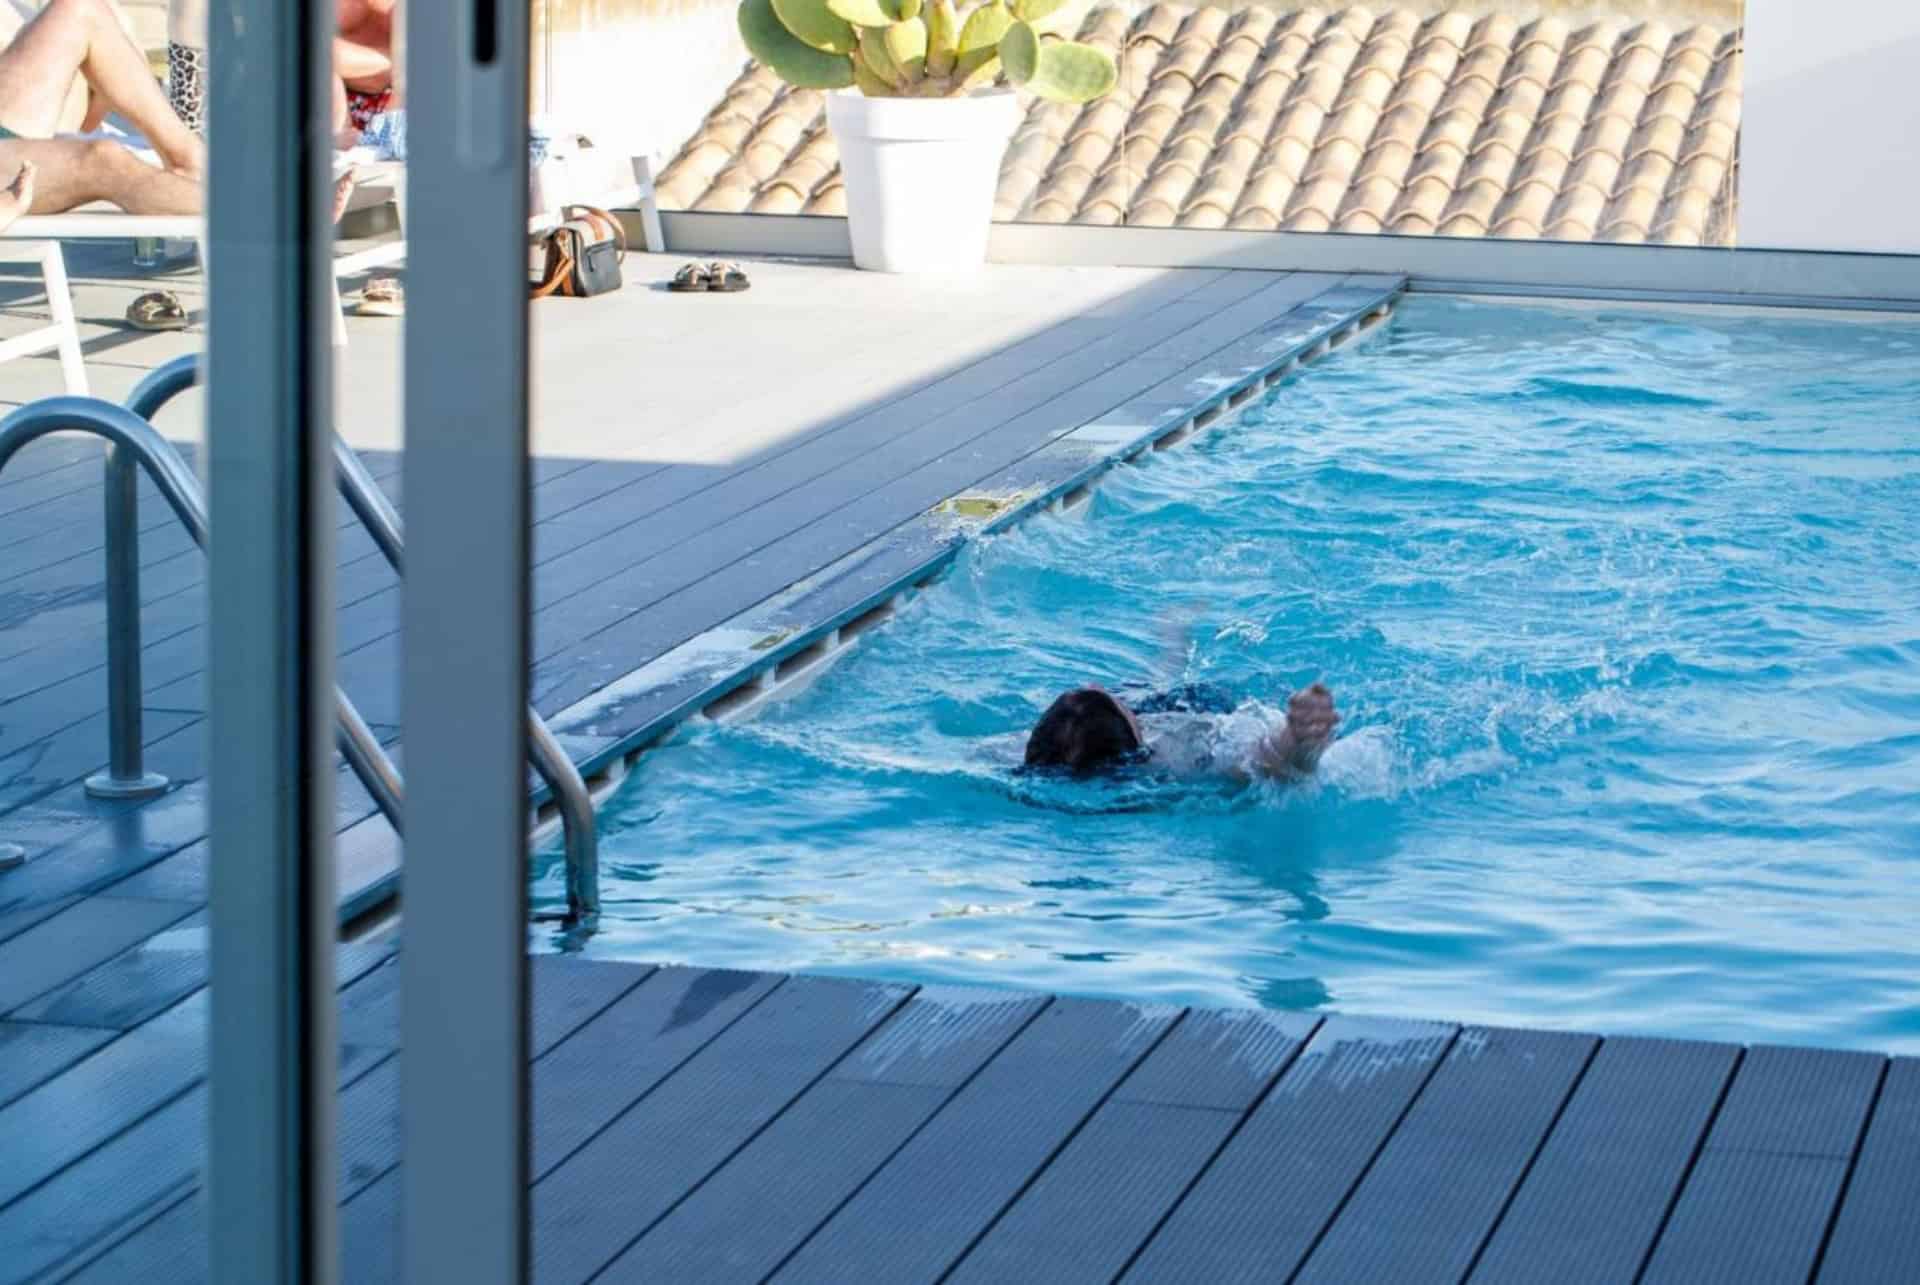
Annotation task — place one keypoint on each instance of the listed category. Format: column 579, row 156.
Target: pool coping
column 775, row 649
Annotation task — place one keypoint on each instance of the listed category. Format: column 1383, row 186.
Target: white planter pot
column 920, row 175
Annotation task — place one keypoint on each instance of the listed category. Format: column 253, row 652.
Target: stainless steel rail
column 134, row 444
column 370, row 504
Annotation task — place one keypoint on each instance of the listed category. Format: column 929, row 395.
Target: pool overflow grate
column 801, row 659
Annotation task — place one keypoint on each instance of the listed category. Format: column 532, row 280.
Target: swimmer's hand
column 1293, row 751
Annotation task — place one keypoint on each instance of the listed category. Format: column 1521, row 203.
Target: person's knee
column 91, row 10
column 108, row 168
column 105, row 156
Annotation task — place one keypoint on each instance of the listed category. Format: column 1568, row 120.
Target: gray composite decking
column 699, row 1125
column 702, row 1125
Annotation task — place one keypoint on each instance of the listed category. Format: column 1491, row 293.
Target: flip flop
column 157, row 310
column 382, row 297
column 690, row 279
column 725, row 277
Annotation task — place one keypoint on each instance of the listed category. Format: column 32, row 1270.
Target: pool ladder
column 134, row 444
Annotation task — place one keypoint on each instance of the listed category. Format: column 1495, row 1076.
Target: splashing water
column 1622, row 611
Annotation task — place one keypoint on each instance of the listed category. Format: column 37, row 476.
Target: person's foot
column 17, row 197
column 1310, row 722
column 187, row 158
column 342, row 193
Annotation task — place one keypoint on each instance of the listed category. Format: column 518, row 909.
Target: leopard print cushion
column 187, row 84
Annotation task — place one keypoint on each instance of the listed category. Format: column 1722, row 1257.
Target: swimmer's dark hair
column 1082, row 731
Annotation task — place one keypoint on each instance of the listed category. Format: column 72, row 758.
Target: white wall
column 1830, row 128
column 634, row 72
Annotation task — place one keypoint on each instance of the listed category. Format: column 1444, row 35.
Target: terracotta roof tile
column 1351, row 118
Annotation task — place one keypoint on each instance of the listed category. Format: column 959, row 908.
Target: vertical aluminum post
column 271, row 1180
column 464, row 631
column 126, row 776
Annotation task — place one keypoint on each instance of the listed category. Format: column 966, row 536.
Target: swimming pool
column 1622, row 609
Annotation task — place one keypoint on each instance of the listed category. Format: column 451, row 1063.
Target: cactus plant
column 925, row 48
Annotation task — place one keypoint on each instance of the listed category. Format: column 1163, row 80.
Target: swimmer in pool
column 1090, row 730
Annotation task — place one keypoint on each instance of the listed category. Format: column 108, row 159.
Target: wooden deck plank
column 169, row 1250
column 55, row 451
column 1432, row 1195
column 1756, row 1207
column 586, row 1082
column 33, row 772
column 51, row 593
column 65, row 650
column 759, row 1206
column 32, row 1053
column 90, row 1204
column 142, row 981
column 569, row 996
column 83, row 935
column 105, row 852
column 1591, row 1205
column 1259, row 1208
column 79, row 532
column 1877, row 1235
column 587, row 1210
column 1098, row 1201
column 919, row 1213
column 567, row 993
column 59, row 1221
column 102, row 1094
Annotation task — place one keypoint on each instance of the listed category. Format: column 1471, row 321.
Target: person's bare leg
column 16, row 198
column 70, row 172
column 344, row 135
column 83, row 37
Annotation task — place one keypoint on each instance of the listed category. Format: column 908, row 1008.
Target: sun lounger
column 39, row 237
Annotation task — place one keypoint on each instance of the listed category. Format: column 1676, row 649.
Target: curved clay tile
column 1115, row 186
column 1452, row 27
column 1244, row 40
column 1204, row 214
column 778, row 197
column 1359, row 221
column 831, row 201
column 1466, row 222
column 1576, row 213
column 1683, row 218
column 1150, row 214
column 1307, row 220
column 1050, row 210
column 1424, row 199
column 1158, row 25
column 1367, row 200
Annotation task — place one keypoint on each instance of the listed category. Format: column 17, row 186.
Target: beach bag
column 583, row 254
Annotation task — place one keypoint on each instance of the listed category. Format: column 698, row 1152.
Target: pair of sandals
column 722, row 276
column 161, row 310
column 157, row 310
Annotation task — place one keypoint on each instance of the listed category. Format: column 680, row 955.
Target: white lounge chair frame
column 44, row 232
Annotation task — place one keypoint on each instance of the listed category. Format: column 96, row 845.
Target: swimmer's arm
column 1292, row 750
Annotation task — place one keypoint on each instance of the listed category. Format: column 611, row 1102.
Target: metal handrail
column 555, row 766
column 133, row 443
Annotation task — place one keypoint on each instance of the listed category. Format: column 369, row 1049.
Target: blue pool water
column 1622, row 609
